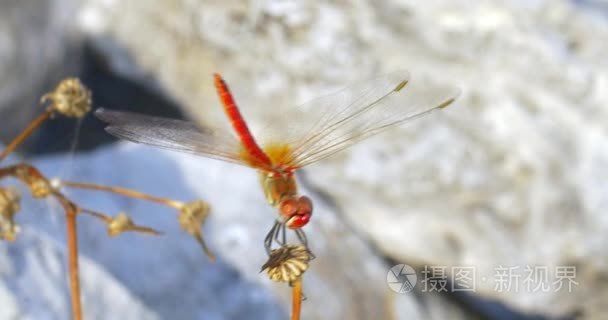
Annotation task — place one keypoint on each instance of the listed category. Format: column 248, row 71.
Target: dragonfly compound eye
column 302, row 213
column 297, row 221
column 288, row 207
column 304, row 206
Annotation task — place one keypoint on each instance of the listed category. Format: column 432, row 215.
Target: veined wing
column 356, row 113
column 172, row 134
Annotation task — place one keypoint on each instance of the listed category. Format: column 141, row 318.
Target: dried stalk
column 41, row 188
column 296, row 293
column 35, row 124
column 122, row 191
column 73, row 270
column 288, row 264
column 191, row 215
column 70, row 98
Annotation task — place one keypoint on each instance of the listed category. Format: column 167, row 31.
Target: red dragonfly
column 339, row 120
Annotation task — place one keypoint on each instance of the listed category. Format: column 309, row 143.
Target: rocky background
column 512, row 176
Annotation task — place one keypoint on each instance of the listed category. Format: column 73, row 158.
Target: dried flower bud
column 39, row 186
column 191, row 218
column 9, row 206
column 70, row 98
column 119, row 224
column 192, row 215
column 123, row 223
column 287, row 263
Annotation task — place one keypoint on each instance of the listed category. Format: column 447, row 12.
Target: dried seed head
column 9, row 206
column 70, row 98
column 192, row 215
column 39, row 186
column 123, row 223
column 9, row 201
column 119, row 224
column 287, row 263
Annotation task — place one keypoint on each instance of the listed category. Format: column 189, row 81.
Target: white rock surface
column 513, row 175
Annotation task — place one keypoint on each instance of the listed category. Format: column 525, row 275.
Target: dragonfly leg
column 272, row 234
column 278, row 235
column 302, row 237
column 283, row 238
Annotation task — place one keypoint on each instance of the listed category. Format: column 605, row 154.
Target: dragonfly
column 303, row 135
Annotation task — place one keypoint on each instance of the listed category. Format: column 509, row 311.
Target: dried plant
column 288, row 264
column 9, row 206
column 72, row 99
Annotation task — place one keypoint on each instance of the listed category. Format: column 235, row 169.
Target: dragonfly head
column 296, row 211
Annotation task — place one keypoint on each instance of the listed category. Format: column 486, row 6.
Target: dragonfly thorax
column 280, row 190
column 278, row 185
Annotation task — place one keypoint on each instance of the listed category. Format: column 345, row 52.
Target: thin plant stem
column 296, row 289
column 98, row 215
column 73, row 265
column 124, row 192
column 35, row 124
column 108, row 220
column 72, row 241
column 71, row 211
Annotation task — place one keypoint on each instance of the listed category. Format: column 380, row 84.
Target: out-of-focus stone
column 33, row 284
column 39, row 45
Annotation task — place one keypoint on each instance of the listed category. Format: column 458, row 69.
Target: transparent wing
column 172, row 134
column 324, row 126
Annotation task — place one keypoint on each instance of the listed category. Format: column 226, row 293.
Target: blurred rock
column 39, row 45
column 512, row 176
column 33, row 284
